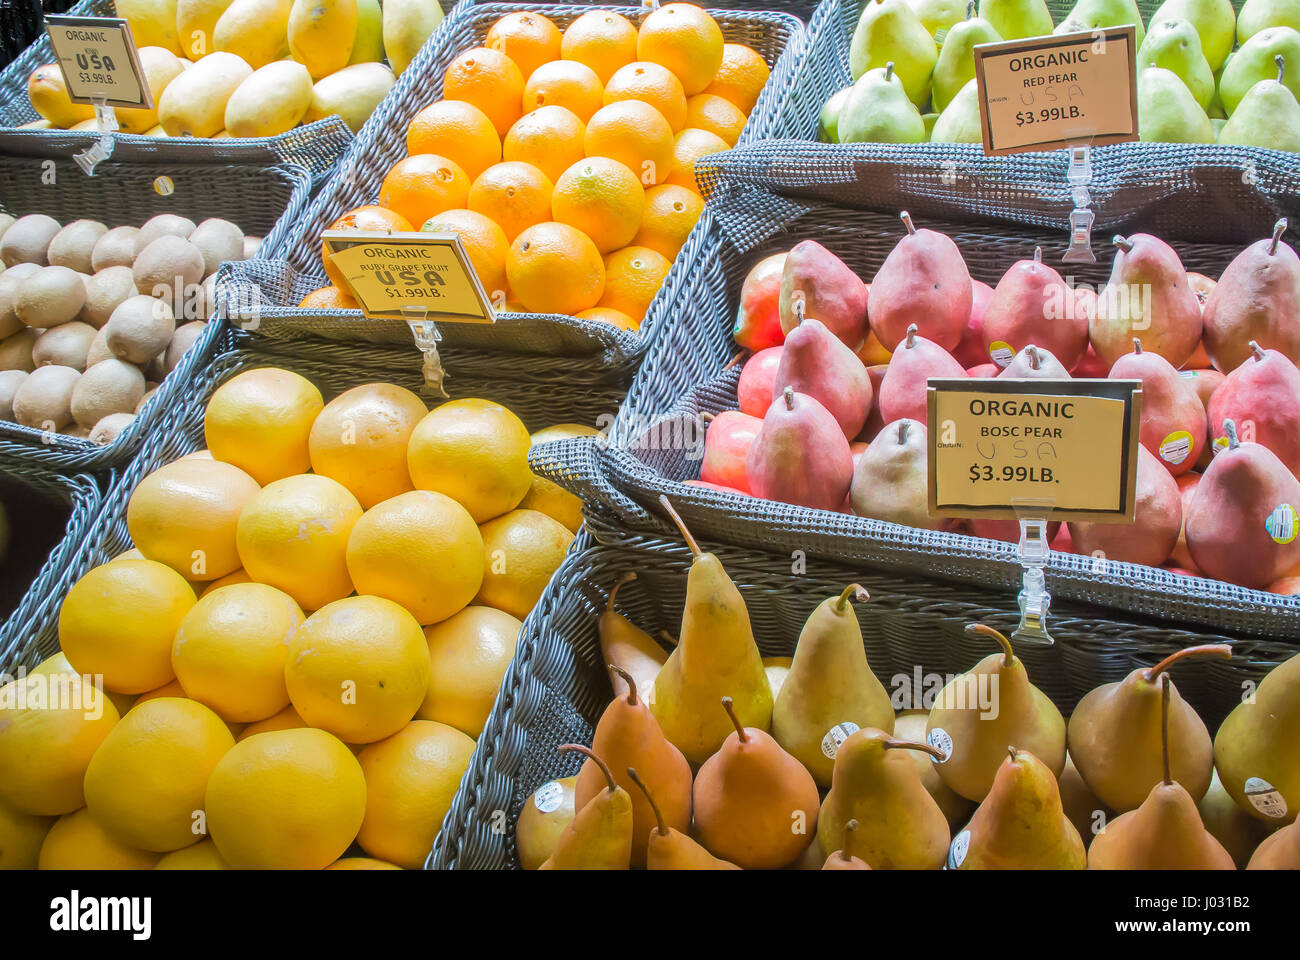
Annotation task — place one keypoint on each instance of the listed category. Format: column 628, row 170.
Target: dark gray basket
column 316, row 146
column 597, row 349
column 263, row 200
column 557, row 687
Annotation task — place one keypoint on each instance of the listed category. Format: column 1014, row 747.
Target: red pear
column 1262, row 397
column 1257, row 298
column 984, row 371
column 1204, row 382
column 1147, row 296
column 727, row 440
column 717, row 487
column 1181, row 556
column 801, row 455
column 1173, row 420
column 754, row 389
column 1158, row 517
column 758, row 321
column 903, row 390
column 1032, row 304
column 971, row 352
column 828, row 290
column 1089, row 367
column 814, row 361
column 923, row 282
column 874, row 420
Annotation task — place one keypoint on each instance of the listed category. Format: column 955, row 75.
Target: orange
column 488, row 79
column 550, row 138
column 633, row 276
column 717, row 115
column 457, row 130
column 609, row 315
column 603, row 199
column 527, row 38
column 601, row 39
column 515, row 195
column 524, row 548
column 564, row 83
column 686, row 40
column 260, row 419
column 740, row 77
column 359, row 439
column 670, row 213
column 636, row 135
column 484, row 241
column 366, row 218
column 690, row 145
column 328, row 298
column 652, row 84
column 423, row 186
column 555, row 268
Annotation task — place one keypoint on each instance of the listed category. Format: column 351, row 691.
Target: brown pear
column 801, row 455
column 1239, row 832
column 903, row 391
column 1281, row 851
column 1115, row 731
column 1157, row 519
column 816, row 363
column 1032, row 304
column 670, row 849
column 542, row 821
column 1147, row 296
column 627, row 648
column 1173, row 419
column 1257, row 298
column 843, row 858
column 1262, row 397
column 910, row 725
column 627, row 734
column 827, row 289
column 599, row 837
column 755, row 805
column 924, row 283
column 1082, row 808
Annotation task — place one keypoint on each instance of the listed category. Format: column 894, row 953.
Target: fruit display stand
column 130, row 188
column 597, row 348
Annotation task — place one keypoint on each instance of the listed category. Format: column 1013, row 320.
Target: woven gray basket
column 316, row 146
column 262, row 200
column 382, row 142
column 557, row 687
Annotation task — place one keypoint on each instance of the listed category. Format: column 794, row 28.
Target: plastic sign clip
column 427, row 336
column 101, row 149
column 1079, row 177
column 1033, row 552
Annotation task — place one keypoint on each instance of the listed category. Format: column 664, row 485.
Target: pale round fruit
column 419, row 549
column 27, row 239
column 162, row 225
column 538, row 828
column 44, row 751
column 360, row 437
column 73, row 245
column 146, row 781
column 288, row 800
column 260, row 420
column 523, row 548
column 138, row 329
column 49, row 297
column 230, row 650
column 411, row 779
column 115, row 249
column 185, row 513
column 21, row 835
column 468, row 657
column 474, row 451
column 119, row 620
column 77, row 842
column 65, row 346
column 43, row 401
column 217, row 240
column 358, row 668
column 201, row 856
column 110, row 386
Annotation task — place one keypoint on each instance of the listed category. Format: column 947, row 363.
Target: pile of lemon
column 303, row 646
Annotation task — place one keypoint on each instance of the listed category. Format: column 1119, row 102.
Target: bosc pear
column 1280, row 851
column 910, row 725
column 844, row 858
column 1257, row 747
column 1257, row 298
column 889, row 30
column 715, row 656
column 671, row 849
column 878, row 110
column 956, row 64
column 599, row 837
column 982, row 712
column 1268, row 115
column 625, row 647
column 830, row 687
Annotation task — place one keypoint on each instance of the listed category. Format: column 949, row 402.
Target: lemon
column 239, row 576
column 419, row 549
column 474, row 451
column 360, row 438
column 358, row 668
column 119, row 619
column 362, row 863
column 230, row 648
column 260, row 420
column 289, row 799
column 550, row 498
column 184, row 515
column 411, row 779
column 77, row 842
column 468, row 657
column 294, row 536
column 200, row 856
column 145, row 784
column 523, row 549
column 286, row 719
column 46, row 744
column 21, row 836
column 58, row 663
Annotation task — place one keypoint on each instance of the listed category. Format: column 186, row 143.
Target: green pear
column 1013, row 19
column 960, row 120
column 828, row 127
column 1108, row 13
column 1218, row 123
column 1268, row 116
column 929, row 120
column 1215, row 109
column 936, row 15
column 956, row 63
column 887, row 31
column 1253, row 61
column 878, row 111
column 1257, row 15
column 1070, row 25
column 1214, row 20
column 1167, row 111
column 1175, row 45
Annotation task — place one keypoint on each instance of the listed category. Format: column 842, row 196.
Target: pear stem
column 889, row 75
column 912, row 330
column 1011, row 752
column 659, row 817
column 1205, row 649
column 1164, row 725
column 1034, row 360
column 1230, row 431
column 851, row 825
column 1279, row 228
column 1123, row 243
column 681, row 525
column 904, row 426
column 904, row 216
column 799, row 310
column 586, row 752
column 985, row 630
column 613, row 591
column 631, row 684
column 853, row 591
column 890, row 743
column 735, row 720
column 664, row 634
column 1137, row 345
column 1038, row 254
column 736, row 359
column 1257, row 350
column 707, row 418
column 970, row 9
column 788, row 395
column 1281, row 66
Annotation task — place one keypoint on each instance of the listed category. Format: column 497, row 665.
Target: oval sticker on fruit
column 1281, row 523
column 1176, row 447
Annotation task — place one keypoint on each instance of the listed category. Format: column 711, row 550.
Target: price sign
column 392, row 274
column 995, row 444
column 98, row 58
column 1042, row 93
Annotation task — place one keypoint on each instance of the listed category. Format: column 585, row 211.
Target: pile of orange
column 565, row 161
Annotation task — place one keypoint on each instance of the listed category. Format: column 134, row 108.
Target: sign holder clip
column 101, row 149
column 1033, row 551
column 427, row 336
column 1079, row 176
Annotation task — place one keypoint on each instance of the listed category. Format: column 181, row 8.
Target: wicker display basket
column 595, row 348
column 316, row 146
column 262, row 200
column 557, row 687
